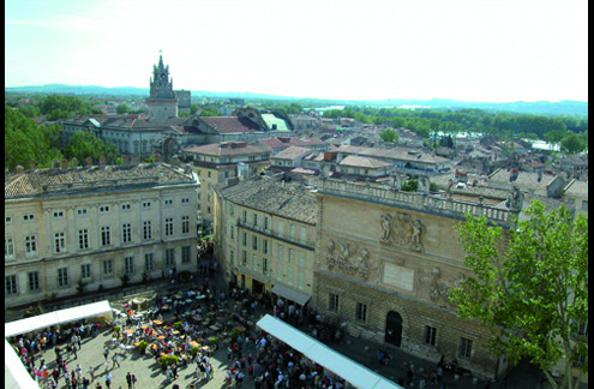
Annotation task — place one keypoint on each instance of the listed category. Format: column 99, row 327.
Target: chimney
column 20, row 169
column 64, row 164
column 88, row 162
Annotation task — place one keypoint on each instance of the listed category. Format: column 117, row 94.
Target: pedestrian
column 86, row 383
column 108, row 379
column 105, row 353
column 116, row 360
column 129, row 380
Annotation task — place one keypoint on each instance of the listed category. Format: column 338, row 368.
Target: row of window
column 244, row 240
column 83, row 237
column 59, row 214
column 258, row 221
column 465, row 347
column 63, row 274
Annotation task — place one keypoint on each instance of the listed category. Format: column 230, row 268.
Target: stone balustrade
column 387, row 195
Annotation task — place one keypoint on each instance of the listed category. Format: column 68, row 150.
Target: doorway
column 257, row 287
column 393, row 328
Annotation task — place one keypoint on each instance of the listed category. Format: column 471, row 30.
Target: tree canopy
column 389, row 135
column 530, row 288
column 84, row 144
column 573, row 144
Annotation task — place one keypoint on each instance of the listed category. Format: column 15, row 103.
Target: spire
column 161, row 59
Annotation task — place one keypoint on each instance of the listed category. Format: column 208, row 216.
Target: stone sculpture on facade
column 405, row 232
column 340, row 258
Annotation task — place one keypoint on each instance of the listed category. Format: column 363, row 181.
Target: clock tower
column 162, row 102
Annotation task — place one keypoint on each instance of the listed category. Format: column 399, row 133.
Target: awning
column 356, row 374
column 15, row 373
column 294, row 295
column 101, row 308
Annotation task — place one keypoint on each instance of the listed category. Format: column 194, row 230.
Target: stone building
column 218, row 163
column 84, row 229
column 162, row 101
column 385, row 263
column 184, row 98
column 265, row 232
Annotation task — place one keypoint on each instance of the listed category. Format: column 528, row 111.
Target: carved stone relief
column 402, row 230
column 347, row 259
column 439, row 289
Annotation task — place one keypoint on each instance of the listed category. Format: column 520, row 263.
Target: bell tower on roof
column 162, row 101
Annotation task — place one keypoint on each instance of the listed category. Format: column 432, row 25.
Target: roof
column 397, row 153
column 45, row 181
column 356, row 374
column 15, row 373
column 577, row 188
column 230, row 148
column 271, row 119
column 365, row 162
column 524, row 180
column 228, row 124
column 292, row 153
column 273, row 143
column 288, row 200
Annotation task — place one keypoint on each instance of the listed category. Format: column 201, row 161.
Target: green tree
column 410, row 186
column 572, row 144
column 529, row 286
column 389, row 135
column 122, row 108
column 209, row 112
column 193, row 109
column 30, row 111
column 83, row 144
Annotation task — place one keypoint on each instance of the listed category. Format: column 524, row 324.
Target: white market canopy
column 15, row 373
column 356, row 374
column 101, row 308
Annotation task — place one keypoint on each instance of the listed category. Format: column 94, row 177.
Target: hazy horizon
column 465, row 50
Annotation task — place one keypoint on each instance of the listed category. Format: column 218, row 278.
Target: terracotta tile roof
column 228, row 124
column 398, row 153
column 228, row 148
column 292, row 153
column 364, row 162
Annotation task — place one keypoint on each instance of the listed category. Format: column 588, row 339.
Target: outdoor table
column 175, row 332
column 194, row 344
column 157, row 322
column 130, row 332
column 161, row 337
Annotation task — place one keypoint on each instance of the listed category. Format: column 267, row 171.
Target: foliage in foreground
column 530, row 288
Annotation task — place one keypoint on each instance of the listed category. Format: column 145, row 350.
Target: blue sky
column 476, row 50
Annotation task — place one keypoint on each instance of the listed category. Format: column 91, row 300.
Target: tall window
column 11, row 285
column 59, row 243
column 83, row 239
column 8, row 248
column 126, row 233
column 465, row 348
column 33, row 277
column 264, row 265
column 104, row 208
column 126, row 207
column 244, row 217
column 168, row 202
column 255, row 242
column 430, row 335
column 105, row 237
column 186, row 254
column 147, row 230
column 59, row 214
column 303, row 235
column 281, row 228
column 31, row 245
column 244, row 238
column 361, row 312
column 129, row 265
column 333, row 302
column 265, row 222
column 185, row 224
column 168, row 226
column 244, row 258
column 108, row 267
column 85, row 270
column 265, row 246
column 81, row 211
column 292, row 231
column 148, row 262
column 169, row 257
column 63, row 277
column 255, row 219
column 232, row 257
column 146, row 204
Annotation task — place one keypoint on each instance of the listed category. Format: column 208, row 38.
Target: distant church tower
column 162, row 102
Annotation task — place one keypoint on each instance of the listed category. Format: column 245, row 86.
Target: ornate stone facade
column 403, row 230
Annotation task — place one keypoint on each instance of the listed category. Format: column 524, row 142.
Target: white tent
column 356, row 374
column 291, row 294
column 15, row 373
column 101, row 308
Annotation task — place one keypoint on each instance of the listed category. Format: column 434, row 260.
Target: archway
column 393, row 328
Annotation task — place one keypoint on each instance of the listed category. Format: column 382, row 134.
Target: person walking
column 105, row 353
column 116, row 360
column 108, row 379
column 129, row 380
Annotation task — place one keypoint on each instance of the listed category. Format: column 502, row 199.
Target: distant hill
column 565, row 107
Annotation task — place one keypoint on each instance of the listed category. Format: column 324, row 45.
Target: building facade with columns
column 385, row 263
column 84, row 229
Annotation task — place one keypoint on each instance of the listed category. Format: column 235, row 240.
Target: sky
column 470, row 50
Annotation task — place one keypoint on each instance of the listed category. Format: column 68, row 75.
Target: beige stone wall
column 290, row 247
column 411, row 277
column 46, row 260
